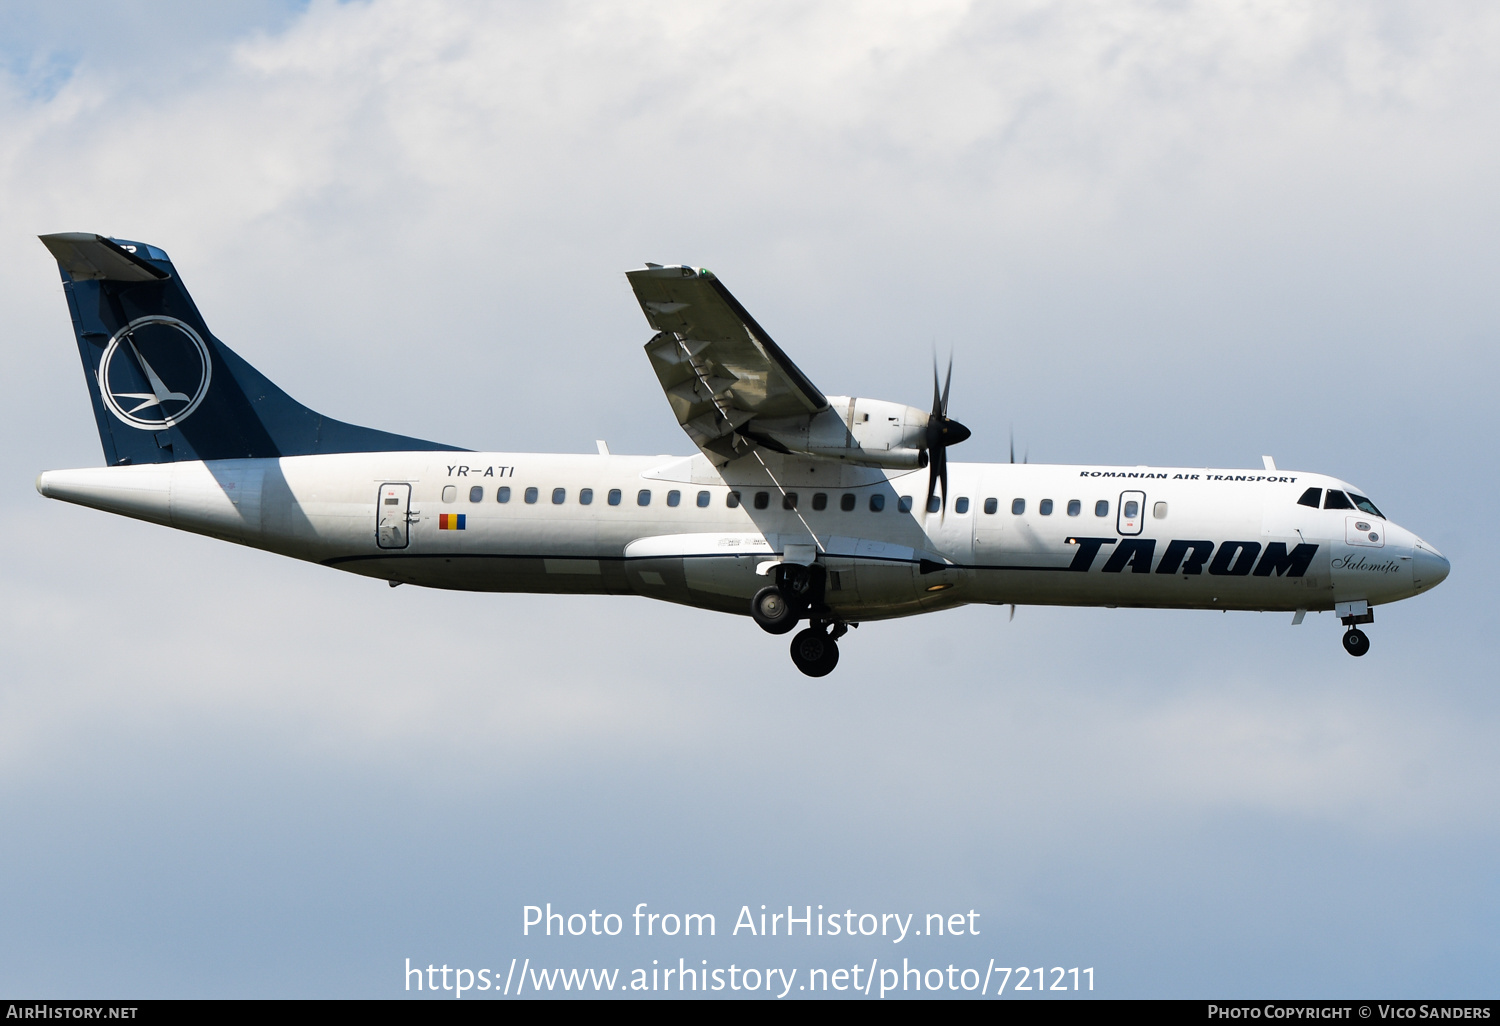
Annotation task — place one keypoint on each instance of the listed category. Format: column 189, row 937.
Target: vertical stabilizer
column 163, row 387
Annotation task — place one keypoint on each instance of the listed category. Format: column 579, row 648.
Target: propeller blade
column 1012, row 610
column 1013, row 443
column 941, row 433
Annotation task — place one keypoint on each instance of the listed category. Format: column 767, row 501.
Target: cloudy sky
column 1172, row 233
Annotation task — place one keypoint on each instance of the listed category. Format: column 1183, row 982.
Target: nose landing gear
column 1356, row 643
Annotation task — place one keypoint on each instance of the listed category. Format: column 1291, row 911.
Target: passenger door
column 393, row 516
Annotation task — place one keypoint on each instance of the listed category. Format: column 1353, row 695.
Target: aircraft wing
column 722, row 373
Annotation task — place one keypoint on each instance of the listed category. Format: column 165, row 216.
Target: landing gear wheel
column 1355, row 642
column 814, row 652
column 772, row 610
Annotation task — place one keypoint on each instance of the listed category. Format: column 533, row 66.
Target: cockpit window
column 1337, row 500
column 1311, row 497
column 1366, row 505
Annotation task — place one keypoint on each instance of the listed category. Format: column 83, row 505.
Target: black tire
column 773, row 611
column 1355, row 642
column 814, row 652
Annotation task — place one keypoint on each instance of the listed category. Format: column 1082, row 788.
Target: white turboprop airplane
column 798, row 507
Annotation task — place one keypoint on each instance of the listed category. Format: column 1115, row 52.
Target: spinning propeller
column 941, row 433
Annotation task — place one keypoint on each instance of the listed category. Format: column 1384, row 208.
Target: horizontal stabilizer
column 89, row 257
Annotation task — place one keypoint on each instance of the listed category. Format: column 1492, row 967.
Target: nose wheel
column 1356, row 642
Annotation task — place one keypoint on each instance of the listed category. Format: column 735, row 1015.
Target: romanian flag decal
column 451, row 521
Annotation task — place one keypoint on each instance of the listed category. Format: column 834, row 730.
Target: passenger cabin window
column 531, row 495
column 991, row 505
column 820, row 500
column 846, row 503
column 476, row 494
column 585, row 496
column 559, row 496
column 1074, row 507
column 1132, row 509
column 614, row 496
column 1362, row 503
column 1101, row 508
column 1045, row 509
column 762, row 500
column 643, row 497
column 732, row 500
column 789, row 500
column 1018, row 506
column 1312, row 497
column 1159, row 511
column 503, row 495
column 703, row 498
column 962, row 505
column 673, row 497
column 1337, row 500
column 903, row 504
column 934, row 504
column 450, row 493
column 877, row 503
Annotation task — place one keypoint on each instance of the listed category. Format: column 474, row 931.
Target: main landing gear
column 779, row 607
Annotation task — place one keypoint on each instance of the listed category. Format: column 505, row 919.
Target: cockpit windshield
column 1336, row 499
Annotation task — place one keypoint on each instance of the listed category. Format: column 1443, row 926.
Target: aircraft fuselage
column 677, row 529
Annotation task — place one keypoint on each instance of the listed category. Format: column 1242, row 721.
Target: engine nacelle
column 870, row 432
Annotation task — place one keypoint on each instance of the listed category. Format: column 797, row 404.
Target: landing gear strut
column 815, row 649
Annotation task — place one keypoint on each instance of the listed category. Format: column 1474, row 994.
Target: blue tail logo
column 131, row 382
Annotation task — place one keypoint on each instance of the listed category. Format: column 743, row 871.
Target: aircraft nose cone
column 954, row 432
column 1429, row 566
